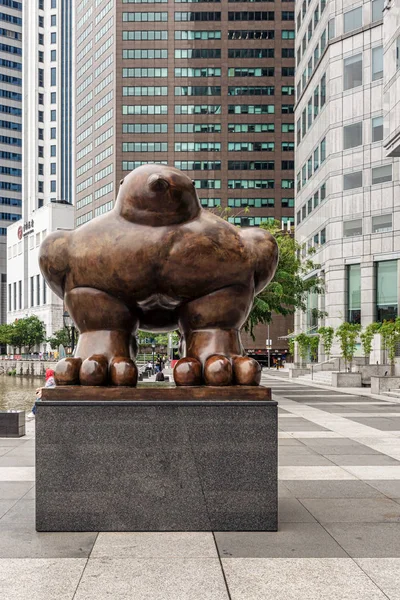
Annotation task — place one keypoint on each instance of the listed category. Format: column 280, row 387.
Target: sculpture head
column 157, row 195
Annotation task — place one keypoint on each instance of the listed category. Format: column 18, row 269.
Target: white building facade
column 347, row 185
column 47, row 156
column 10, row 131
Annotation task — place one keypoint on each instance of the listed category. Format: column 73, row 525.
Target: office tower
column 208, row 90
column 11, row 131
column 347, row 201
column 47, row 166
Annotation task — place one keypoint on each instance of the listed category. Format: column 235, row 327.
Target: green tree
column 327, row 334
column 367, row 336
column 348, row 334
column 390, row 334
column 5, row 332
column 303, row 341
column 59, row 337
column 287, row 292
column 27, row 333
column 314, row 344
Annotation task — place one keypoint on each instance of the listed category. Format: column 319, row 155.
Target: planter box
column 346, row 380
column 297, row 372
column 381, row 385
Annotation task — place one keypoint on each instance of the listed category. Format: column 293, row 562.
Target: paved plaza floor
column 339, row 522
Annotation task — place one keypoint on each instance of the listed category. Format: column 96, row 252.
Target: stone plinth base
column 204, row 461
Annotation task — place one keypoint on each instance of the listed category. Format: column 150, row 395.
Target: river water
column 18, row 392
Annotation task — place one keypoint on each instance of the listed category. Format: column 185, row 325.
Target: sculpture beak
column 157, row 183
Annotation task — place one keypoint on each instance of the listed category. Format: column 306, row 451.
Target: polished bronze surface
column 218, row 370
column 67, row 372
column 246, row 371
column 158, row 262
column 156, row 391
column 123, row 371
column 94, row 370
column 188, row 372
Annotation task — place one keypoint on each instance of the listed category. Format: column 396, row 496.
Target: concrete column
column 368, row 294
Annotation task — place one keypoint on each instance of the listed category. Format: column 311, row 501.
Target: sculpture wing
column 53, row 260
column 264, row 249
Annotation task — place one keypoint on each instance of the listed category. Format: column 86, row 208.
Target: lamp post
column 153, row 347
column 268, row 343
column 70, row 327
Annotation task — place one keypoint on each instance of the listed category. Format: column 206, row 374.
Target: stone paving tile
column 361, row 459
column 367, row 472
column 381, row 423
column 299, row 579
column 353, row 510
column 40, row 579
column 283, row 491
column 389, row 488
column 5, row 449
column 320, row 473
column 338, row 446
column 290, row 541
column 17, row 474
column 146, row 579
column 291, row 510
column 367, row 540
column 6, row 505
column 154, row 545
column 10, row 460
column 303, row 460
column 14, row 489
column 385, row 572
column 17, row 541
column 332, row 489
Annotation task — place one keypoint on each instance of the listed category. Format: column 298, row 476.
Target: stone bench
column 12, row 424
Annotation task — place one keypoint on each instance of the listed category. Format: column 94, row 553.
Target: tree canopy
column 59, row 337
column 23, row 333
column 287, row 292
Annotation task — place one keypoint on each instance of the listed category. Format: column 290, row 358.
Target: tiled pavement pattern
column 339, row 532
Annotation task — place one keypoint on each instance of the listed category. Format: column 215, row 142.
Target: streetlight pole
column 269, row 344
column 153, row 347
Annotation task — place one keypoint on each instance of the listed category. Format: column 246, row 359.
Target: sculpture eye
column 121, row 182
column 193, row 181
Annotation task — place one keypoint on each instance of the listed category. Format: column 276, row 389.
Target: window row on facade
column 243, row 15
column 210, row 109
column 184, row 34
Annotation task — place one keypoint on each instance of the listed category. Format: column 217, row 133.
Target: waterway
column 18, row 392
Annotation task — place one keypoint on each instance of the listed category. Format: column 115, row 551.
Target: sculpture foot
column 67, row 371
column 94, row 370
column 218, row 370
column 246, row 371
column 123, row 371
column 187, row 371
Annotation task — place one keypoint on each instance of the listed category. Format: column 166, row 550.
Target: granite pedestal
column 156, row 459
column 12, row 424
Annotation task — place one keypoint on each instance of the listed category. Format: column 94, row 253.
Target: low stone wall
column 369, row 371
column 381, row 385
column 27, row 368
column 346, row 379
column 298, row 372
